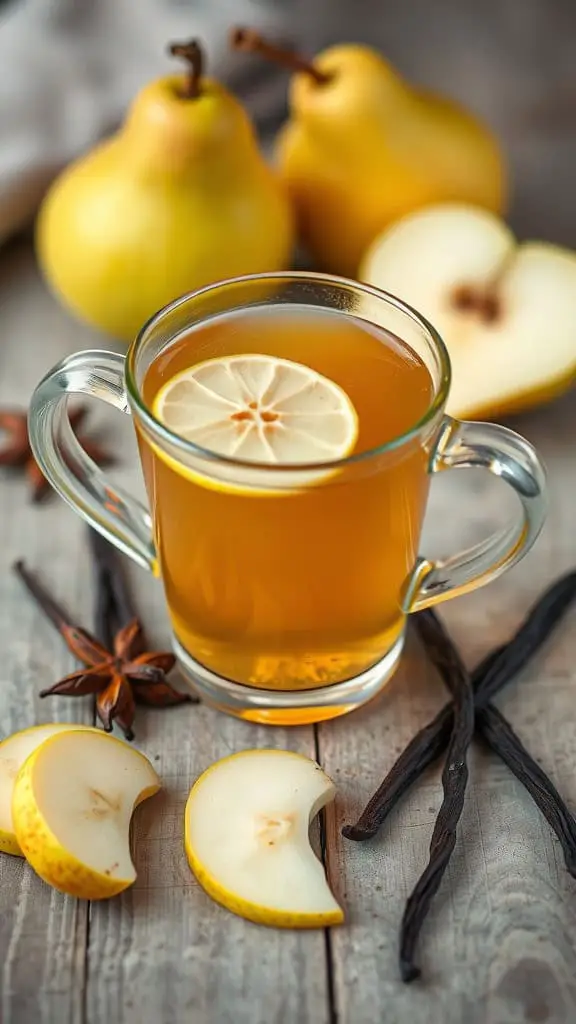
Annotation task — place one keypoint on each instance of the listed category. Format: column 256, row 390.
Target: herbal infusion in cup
column 289, row 587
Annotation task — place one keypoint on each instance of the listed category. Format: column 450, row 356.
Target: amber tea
column 296, row 589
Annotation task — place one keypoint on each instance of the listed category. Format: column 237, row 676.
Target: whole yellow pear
column 178, row 198
column 362, row 148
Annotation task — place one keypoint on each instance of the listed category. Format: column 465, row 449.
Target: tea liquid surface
column 295, row 590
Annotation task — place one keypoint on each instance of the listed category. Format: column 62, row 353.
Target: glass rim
column 189, row 447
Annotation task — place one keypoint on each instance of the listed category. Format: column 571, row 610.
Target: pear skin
column 364, row 148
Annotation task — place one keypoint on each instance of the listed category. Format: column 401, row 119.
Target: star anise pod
column 17, row 453
column 120, row 678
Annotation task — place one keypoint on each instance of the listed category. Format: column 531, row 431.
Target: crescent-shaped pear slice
column 72, row 804
column 247, row 838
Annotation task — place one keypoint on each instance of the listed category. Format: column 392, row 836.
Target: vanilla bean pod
column 454, row 780
column 114, row 607
column 494, row 672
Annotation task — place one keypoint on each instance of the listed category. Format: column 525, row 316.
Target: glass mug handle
column 110, row 509
column 464, row 445
column 127, row 523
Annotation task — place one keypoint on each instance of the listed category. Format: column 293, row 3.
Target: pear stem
column 249, row 41
column 191, row 52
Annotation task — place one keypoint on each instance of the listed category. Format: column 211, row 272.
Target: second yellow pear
column 362, row 148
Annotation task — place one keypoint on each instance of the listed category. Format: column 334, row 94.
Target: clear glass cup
column 288, row 588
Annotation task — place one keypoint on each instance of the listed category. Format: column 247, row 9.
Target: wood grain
column 164, row 951
column 42, row 934
column 499, row 946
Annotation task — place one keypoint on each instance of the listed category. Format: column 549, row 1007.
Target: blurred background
column 68, row 69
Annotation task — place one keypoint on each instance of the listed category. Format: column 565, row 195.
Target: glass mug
column 288, row 588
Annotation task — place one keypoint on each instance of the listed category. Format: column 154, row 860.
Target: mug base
column 283, row 707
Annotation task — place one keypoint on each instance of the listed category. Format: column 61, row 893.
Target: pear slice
column 72, row 804
column 246, row 834
column 506, row 311
column 13, row 752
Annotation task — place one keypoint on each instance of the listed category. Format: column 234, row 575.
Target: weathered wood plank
column 42, row 934
column 499, row 946
column 163, row 952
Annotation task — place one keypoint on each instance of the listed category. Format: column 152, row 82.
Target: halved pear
column 72, row 804
column 246, row 833
column 13, row 752
column 506, row 311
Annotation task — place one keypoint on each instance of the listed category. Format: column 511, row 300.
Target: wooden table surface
column 499, row 946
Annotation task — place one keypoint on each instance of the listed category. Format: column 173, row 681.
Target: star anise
column 17, row 453
column 120, row 678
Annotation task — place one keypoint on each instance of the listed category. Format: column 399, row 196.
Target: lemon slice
column 259, row 409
